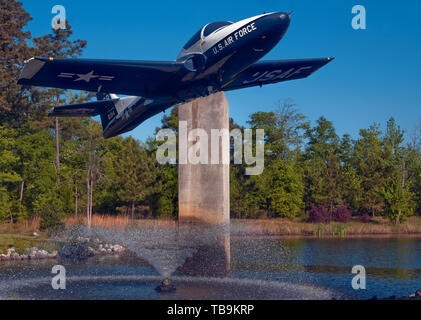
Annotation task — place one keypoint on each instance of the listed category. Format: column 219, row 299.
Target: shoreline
column 378, row 227
column 28, row 232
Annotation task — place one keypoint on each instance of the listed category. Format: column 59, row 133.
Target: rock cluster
column 108, row 249
column 33, row 253
column 74, row 250
column 81, row 251
column 98, row 248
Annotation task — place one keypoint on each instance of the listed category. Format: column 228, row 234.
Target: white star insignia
column 86, row 77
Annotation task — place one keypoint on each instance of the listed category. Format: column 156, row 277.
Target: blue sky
column 376, row 73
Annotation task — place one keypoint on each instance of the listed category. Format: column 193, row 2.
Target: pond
column 260, row 268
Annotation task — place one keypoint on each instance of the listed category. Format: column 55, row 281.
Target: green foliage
column 284, row 130
column 398, row 200
column 338, row 229
column 286, row 189
column 135, row 172
column 49, row 207
column 371, row 167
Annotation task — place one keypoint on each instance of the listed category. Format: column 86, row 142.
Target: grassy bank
column 20, row 235
column 22, row 242
column 283, row 227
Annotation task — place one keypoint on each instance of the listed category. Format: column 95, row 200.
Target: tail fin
column 109, row 112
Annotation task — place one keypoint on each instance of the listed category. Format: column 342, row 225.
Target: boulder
column 74, row 252
column 15, row 256
column 92, row 250
column 418, row 293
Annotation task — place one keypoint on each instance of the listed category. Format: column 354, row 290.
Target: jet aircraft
column 221, row 56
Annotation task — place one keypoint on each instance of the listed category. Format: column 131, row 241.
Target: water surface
column 260, row 268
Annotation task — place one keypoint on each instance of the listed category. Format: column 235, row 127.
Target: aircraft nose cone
column 285, row 18
column 279, row 22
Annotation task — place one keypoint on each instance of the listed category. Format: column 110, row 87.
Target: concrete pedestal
column 203, row 189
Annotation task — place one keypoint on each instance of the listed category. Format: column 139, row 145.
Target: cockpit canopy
column 206, row 31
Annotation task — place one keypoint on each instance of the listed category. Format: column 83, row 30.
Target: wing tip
column 30, row 68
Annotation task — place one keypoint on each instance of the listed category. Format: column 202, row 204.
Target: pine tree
column 136, row 174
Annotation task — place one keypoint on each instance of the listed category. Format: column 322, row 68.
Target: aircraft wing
column 273, row 71
column 139, row 78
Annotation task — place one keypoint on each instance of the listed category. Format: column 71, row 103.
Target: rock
column 5, row 258
column 10, row 251
column 92, row 250
column 35, row 234
column 15, row 256
column 40, row 254
column 75, row 252
column 418, row 293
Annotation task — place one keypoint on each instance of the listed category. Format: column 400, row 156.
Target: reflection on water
column 260, row 267
column 393, row 265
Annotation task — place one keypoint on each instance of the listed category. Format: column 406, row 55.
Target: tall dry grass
column 283, row 227
column 26, row 226
column 117, row 221
column 271, row 227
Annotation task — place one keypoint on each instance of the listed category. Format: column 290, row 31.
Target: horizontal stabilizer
column 88, row 109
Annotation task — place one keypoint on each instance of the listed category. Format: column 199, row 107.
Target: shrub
column 51, row 215
column 319, row 214
column 342, row 214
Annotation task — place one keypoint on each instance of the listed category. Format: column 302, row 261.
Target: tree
column 91, row 148
column 36, row 166
column 14, row 50
column 398, row 200
column 163, row 200
column 136, row 173
column 371, row 166
column 286, row 189
column 284, row 129
column 400, row 160
column 9, row 178
column 323, row 165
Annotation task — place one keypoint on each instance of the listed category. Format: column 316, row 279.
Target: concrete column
column 203, row 189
